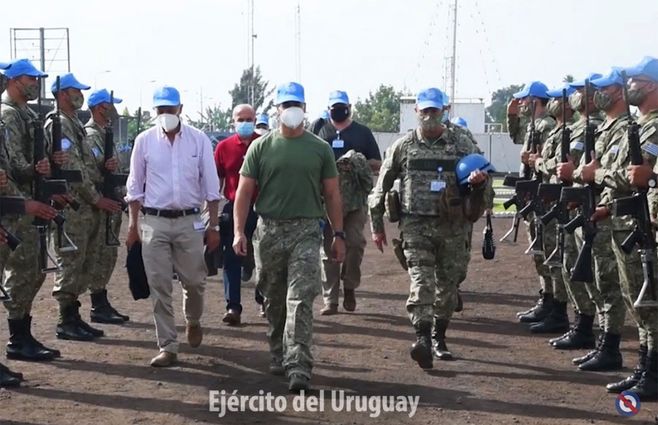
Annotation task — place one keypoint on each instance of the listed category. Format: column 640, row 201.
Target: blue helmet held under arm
column 470, row 163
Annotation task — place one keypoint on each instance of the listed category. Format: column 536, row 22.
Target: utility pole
column 252, row 60
column 298, row 42
column 453, row 58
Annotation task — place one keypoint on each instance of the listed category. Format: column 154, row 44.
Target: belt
column 170, row 213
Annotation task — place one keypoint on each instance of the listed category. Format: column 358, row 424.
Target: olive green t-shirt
column 289, row 174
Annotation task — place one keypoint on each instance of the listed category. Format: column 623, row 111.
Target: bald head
column 244, row 112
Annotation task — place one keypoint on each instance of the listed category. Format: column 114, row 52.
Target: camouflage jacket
column 355, row 180
column 616, row 180
column 18, row 147
column 80, row 156
column 415, row 162
column 550, row 156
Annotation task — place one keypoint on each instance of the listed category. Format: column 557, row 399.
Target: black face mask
column 339, row 113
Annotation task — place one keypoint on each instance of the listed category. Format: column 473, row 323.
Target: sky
column 201, row 46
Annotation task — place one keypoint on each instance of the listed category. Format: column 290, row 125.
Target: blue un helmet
column 470, row 163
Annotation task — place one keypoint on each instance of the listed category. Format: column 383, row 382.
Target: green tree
column 241, row 92
column 380, row 110
column 144, row 123
column 497, row 111
column 568, row 79
column 214, row 118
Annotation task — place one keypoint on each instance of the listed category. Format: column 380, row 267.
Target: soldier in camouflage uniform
column 22, row 274
column 83, row 225
column 435, row 220
column 533, row 93
column 605, row 292
column 643, row 93
column 293, row 170
column 546, row 163
column 104, row 257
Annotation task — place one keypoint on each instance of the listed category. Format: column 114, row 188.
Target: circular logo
column 628, row 404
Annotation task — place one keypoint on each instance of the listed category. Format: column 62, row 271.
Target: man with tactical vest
column 23, row 276
column 623, row 180
column 104, row 257
column 530, row 104
column 436, row 212
column 76, row 267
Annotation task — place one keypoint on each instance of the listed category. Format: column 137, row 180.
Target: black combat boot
column 69, row 326
column 590, row 354
column 580, row 336
column 84, row 325
column 103, row 312
column 634, row 378
column 8, row 378
column 647, row 386
column 56, row 353
column 439, row 347
column 21, row 346
column 541, row 310
column 607, row 358
column 421, row 350
column 557, row 321
column 460, row 303
column 531, row 309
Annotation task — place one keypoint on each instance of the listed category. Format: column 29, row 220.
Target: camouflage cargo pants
column 550, row 243
column 350, row 271
column 577, row 291
column 83, row 227
column 437, row 256
column 22, row 274
column 287, row 254
column 103, row 257
column 605, row 292
column 630, row 281
column 545, row 278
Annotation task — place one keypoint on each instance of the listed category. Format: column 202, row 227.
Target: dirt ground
column 502, row 374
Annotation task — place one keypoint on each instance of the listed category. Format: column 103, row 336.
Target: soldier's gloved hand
column 600, row 213
column 39, row 209
column 565, row 171
column 380, row 240
column 111, row 164
column 4, row 181
column 109, row 205
column 60, row 157
column 639, row 175
column 43, row 167
column 476, row 178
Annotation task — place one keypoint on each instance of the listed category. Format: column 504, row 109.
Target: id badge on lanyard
column 439, row 184
column 338, row 143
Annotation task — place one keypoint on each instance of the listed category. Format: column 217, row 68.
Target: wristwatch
column 339, row 234
column 215, row 228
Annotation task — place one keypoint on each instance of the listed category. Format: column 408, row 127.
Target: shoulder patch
column 577, row 145
column 66, row 144
column 646, row 134
column 650, row 148
column 97, row 152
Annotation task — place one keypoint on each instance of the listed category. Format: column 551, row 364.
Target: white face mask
column 292, row 117
column 260, row 131
column 168, row 122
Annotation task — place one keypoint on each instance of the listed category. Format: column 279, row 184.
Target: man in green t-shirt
column 294, row 172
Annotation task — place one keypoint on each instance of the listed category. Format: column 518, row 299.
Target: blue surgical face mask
column 244, row 129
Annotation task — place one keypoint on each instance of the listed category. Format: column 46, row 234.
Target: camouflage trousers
column 630, row 281
column 350, row 271
column 287, row 254
column 605, row 292
column 550, row 243
column 578, row 293
column 106, row 256
column 437, row 254
column 545, row 278
column 78, row 268
column 22, row 275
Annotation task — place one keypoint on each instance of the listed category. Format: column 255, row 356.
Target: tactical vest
column 422, row 164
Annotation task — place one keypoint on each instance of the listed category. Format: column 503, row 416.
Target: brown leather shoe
column 349, row 300
column 164, row 359
column 329, row 310
column 232, row 317
column 194, row 335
